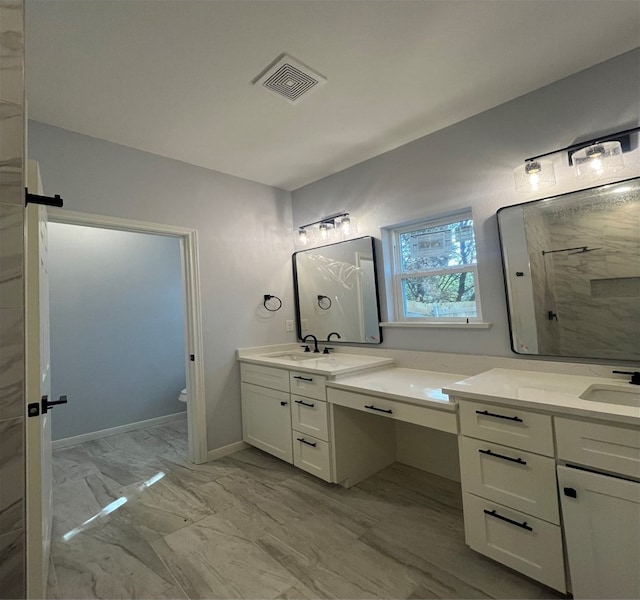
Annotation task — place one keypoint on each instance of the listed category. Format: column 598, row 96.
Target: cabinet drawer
column 310, row 416
column 608, row 447
column 276, row 379
column 312, row 455
column 524, row 543
column 506, row 425
column 411, row 413
column 515, row 478
column 308, row 385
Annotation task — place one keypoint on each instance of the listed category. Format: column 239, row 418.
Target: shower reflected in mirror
column 572, row 273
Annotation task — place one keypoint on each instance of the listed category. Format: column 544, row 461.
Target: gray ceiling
column 174, row 77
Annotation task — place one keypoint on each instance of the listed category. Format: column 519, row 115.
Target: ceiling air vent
column 289, row 79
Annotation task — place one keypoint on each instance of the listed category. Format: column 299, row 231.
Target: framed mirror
column 572, row 273
column 336, row 291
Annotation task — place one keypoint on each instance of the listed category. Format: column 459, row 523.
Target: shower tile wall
column 12, row 123
column 597, row 292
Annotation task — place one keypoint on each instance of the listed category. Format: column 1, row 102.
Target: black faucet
column 315, row 341
column 635, row 376
column 334, row 333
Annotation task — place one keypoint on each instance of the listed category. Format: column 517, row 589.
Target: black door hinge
column 192, row 357
column 46, row 200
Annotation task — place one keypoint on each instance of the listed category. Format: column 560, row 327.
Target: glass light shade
column 534, row 175
column 598, row 160
column 302, row 237
column 348, row 226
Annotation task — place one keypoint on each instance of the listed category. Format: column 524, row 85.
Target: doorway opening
column 193, row 363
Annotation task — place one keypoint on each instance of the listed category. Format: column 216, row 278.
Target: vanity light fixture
column 591, row 159
column 303, row 236
column 534, row 175
column 334, row 226
column 598, row 159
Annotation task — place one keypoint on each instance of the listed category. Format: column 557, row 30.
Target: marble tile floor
column 134, row 519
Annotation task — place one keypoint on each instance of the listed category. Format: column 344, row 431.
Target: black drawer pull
column 571, row 492
column 283, row 403
column 310, row 405
column 486, row 413
column 384, row 410
column 303, row 378
column 307, row 443
column 502, row 456
column 493, row 513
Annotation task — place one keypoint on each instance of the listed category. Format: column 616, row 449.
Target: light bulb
column 303, row 238
column 534, row 175
column 324, row 231
column 345, row 225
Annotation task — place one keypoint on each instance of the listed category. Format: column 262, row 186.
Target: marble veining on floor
column 134, row 519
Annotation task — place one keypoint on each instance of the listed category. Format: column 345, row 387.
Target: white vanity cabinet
column 600, row 507
column 266, row 413
column 285, row 414
column 510, row 500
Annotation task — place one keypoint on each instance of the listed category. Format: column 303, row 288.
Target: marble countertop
column 330, row 365
column 406, row 385
column 550, row 392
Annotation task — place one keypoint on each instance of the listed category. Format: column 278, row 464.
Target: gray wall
column 245, row 243
column 471, row 164
column 117, row 327
column 12, row 445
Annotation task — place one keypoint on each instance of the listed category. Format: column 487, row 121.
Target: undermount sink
column 318, row 362
column 296, row 355
column 613, row 394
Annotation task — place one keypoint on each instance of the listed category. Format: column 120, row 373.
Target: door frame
column 196, row 407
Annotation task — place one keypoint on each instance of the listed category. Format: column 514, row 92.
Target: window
column 434, row 270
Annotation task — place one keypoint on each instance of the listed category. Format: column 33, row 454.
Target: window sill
column 437, row 325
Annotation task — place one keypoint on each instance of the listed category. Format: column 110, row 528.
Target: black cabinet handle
column 486, row 413
column 384, row 410
column 571, row 492
column 307, row 443
column 493, row 513
column 503, row 457
column 46, row 404
column 303, row 378
column 310, row 405
column 283, row 403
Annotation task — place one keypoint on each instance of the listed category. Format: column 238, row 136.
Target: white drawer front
column 522, row 542
column 311, row 455
column 509, row 426
column 515, row 478
column 608, row 447
column 308, row 385
column 276, row 379
column 411, row 413
column 310, row 416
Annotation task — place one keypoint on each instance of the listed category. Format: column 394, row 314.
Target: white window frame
column 396, row 275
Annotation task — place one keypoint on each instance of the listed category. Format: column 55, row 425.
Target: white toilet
column 183, row 395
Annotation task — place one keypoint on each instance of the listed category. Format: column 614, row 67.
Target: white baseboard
column 96, row 435
column 226, row 450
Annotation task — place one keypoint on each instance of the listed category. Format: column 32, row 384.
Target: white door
column 38, row 386
column 602, row 531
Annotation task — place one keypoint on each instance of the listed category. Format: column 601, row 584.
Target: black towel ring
column 268, row 297
column 324, row 302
